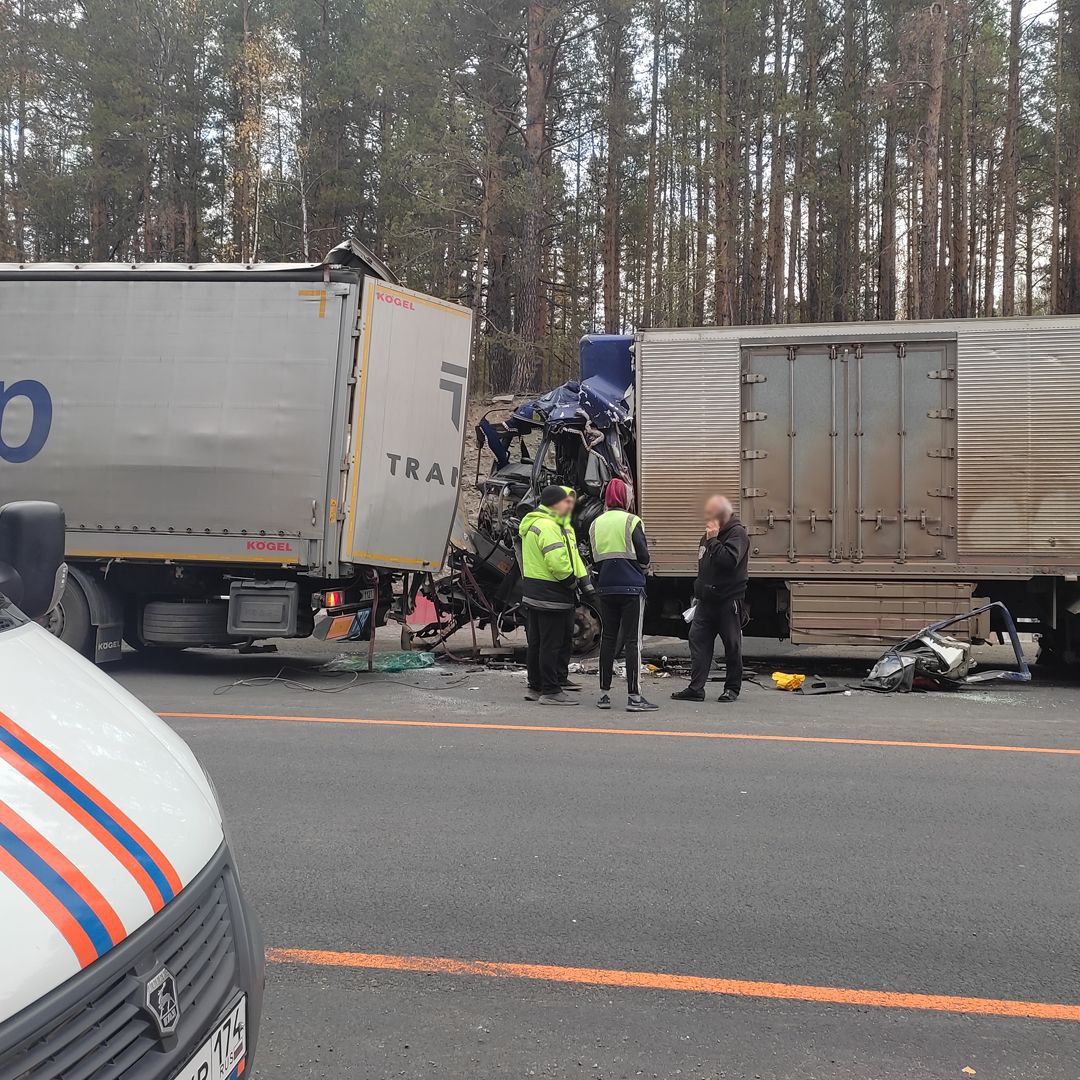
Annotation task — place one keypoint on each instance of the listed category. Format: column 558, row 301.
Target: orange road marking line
column 655, row 980
column 547, row 729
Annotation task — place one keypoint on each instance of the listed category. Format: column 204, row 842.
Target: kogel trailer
column 230, row 443
column 886, row 472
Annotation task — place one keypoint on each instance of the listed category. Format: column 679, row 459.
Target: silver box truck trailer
column 231, row 444
column 886, row 472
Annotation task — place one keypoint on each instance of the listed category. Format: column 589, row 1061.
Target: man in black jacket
column 720, row 592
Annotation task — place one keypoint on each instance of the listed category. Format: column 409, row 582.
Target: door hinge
column 942, row 414
column 754, row 377
column 942, row 493
column 756, row 530
column 944, row 373
column 942, row 452
column 754, row 455
column 755, row 416
column 753, row 493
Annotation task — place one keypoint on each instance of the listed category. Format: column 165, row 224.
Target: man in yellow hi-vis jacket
column 552, row 576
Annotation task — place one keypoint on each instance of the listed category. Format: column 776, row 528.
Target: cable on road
column 354, row 677
column 292, row 683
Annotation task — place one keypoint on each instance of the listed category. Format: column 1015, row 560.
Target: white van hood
column 104, row 815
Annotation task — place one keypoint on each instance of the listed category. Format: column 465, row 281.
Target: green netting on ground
column 388, row 662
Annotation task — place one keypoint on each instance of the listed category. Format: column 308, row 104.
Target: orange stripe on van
column 128, row 859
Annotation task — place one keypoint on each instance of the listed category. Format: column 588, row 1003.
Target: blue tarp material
column 594, row 401
column 609, row 357
column 601, row 398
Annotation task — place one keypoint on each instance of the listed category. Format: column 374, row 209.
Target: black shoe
column 558, row 699
column 605, row 701
column 532, row 695
column 689, row 695
column 728, row 696
column 636, row 703
column 573, row 687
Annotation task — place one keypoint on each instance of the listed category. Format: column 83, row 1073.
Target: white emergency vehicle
column 127, row 951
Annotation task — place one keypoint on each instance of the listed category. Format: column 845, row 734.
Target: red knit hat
column 616, row 495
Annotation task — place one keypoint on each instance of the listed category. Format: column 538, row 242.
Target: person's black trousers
column 713, row 619
column 622, row 616
column 551, row 638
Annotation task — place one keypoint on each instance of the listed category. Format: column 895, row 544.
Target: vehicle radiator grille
column 109, row 1036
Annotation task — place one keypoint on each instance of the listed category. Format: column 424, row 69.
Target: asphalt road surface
column 454, row 883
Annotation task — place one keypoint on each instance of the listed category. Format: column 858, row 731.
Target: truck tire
column 70, row 619
column 587, row 630
column 181, row 624
column 1058, row 652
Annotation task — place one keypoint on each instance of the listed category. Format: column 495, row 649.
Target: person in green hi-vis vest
column 552, row 577
column 621, row 554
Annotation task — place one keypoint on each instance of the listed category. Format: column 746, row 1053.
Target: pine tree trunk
column 753, row 276
column 812, row 306
column 990, row 241
column 616, row 119
column 650, row 193
column 961, row 292
column 528, row 362
column 941, row 295
column 1071, row 291
column 1010, row 164
column 887, row 260
column 1055, row 290
column 797, row 186
column 841, row 278
column 928, row 243
column 18, row 186
column 774, row 260
column 723, row 189
column 1029, row 262
column 701, row 225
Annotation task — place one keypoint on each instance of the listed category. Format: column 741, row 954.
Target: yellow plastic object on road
column 784, row 681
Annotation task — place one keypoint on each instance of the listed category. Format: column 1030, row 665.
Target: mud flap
column 108, row 642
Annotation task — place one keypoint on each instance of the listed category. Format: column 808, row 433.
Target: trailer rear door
column 849, row 452
column 408, row 428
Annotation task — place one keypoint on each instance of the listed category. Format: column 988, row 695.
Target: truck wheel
column 586, row 630
column 1057, row 652
column 70, row 619
column 180, row 624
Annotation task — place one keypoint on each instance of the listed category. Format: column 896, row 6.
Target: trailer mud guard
column 103, row 639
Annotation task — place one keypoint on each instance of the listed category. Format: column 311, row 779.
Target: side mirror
column 32, row 555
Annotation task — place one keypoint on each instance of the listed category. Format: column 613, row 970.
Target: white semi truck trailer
column 234, row 447
column 888, row 473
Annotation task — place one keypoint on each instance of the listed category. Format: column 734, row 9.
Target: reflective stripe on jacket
column 551, row 565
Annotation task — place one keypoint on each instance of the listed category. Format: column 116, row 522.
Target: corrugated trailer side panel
column 687, row 437
column 193, row 410
column 1018, row 432
column 1017, row 445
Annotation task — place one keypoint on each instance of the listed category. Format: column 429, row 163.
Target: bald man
column 720, row 591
